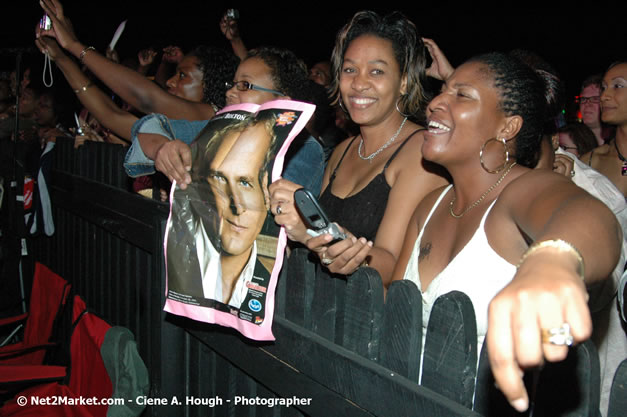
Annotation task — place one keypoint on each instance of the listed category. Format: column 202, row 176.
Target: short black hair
column 218, row 67
column 289, row 72
column 522, row 93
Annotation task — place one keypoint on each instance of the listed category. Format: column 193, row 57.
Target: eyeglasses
column 568, row 147
column 591, row 99
column 245, row 85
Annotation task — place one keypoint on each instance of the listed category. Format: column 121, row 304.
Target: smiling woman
column 513, row 238
column 373, row 181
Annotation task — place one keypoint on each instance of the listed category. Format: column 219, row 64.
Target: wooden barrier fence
column 340, row 350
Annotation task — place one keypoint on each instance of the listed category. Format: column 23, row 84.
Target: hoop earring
column 399, row 110
column 506, row 152
column 342, row 105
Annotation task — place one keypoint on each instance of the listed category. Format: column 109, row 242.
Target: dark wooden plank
column 129, row 216
column 363, row 316
column 450, row 351
column 327, row 308
column 280, row 292
column 340, row 382
column 567, row 388
column 275, row 374
column 299, row 287
column 618, row 395
column 401, row 339
column 489, row 400
column 570, row 387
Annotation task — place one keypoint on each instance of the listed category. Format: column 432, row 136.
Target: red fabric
column 47, row 296
column 89, row 377
column 142, row 183
column 14, row 373
column 14, row 319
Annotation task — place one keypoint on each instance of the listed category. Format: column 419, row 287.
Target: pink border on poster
column 261, row 331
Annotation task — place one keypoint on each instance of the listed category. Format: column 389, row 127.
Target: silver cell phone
column 315, row 218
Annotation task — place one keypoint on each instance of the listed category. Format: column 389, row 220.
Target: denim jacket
column 305, row 166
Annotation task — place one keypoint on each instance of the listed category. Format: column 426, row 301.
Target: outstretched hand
column 48, row 45
column 146, row 57
column 112, row 55
column 440, row 68
column 544, row 294
column 229, row 28
column 172, row 54
column 61, row 28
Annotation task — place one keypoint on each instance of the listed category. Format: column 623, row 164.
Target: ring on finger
column 325, row 260
column 278, row 209
column 559, row 336
column 572, row 172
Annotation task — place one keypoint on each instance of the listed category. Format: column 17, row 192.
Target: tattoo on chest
column 424, row 251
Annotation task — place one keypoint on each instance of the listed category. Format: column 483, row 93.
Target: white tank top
column 477, row 270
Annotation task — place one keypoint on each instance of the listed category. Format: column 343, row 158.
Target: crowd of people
column 481, row 187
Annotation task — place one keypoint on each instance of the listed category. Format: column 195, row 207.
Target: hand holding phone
column 315, row 218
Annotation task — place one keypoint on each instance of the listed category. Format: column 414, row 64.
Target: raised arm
column 575, row 242
column 97, row 102
column 230, row 29
column 440, row 68
column 171, row 56
column 130, row 85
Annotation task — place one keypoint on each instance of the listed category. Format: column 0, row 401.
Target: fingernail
column 520, row 404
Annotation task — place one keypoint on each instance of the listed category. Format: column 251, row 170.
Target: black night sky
column 577, row 46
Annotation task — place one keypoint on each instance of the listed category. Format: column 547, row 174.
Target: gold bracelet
column 83, row 88
column 84, row 51
column 561, row 246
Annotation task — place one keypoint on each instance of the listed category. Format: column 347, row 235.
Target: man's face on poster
column 241, row 200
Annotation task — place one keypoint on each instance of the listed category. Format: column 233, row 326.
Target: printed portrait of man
column 228, row 205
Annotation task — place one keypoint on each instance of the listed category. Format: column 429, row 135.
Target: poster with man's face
column 222, row 251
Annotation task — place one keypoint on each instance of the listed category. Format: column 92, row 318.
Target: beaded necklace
column 622, row 158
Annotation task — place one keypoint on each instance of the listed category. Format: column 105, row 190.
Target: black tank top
column 360, row 213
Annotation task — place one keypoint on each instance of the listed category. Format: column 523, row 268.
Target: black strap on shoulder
column 340, row 162
column 386, row 164
column 400, row 147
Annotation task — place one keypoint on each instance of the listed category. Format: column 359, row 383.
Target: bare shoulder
column 409, row 160
column 532, row 185
column 598, row 151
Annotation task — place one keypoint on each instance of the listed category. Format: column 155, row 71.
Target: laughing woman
column 514, row 239
column 374, row 180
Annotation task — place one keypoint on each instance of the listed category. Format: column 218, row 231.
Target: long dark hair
column 409, row 51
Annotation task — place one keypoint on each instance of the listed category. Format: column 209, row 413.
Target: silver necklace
column 476, row 203
column 385, row 145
